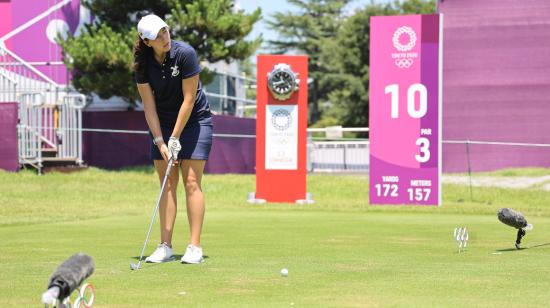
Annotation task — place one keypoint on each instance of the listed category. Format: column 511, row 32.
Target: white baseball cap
column 149, row 26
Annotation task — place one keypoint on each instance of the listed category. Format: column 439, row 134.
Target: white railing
column 336, row 132
column 241, row 103
column 338, row 156
column 50, row 118
column 335, row 153
column 15, row 70
column 30, row 144
column 56, row 128
column 228, row 93
column 70, row 128
column 8, row 88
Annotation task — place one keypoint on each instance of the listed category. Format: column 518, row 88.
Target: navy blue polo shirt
column 166, row 81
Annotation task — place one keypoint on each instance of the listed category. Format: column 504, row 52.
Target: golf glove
column 174, row 147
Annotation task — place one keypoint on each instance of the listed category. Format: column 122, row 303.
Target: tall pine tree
column 309, row 30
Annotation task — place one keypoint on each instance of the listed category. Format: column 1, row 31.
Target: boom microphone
column 68, row 276
column 516, row 220
column 512, row 218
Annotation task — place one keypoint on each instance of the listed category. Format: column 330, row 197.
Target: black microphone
column 512, row 218
column 516, row 220
column 68, row 276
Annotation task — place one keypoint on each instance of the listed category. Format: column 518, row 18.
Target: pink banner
column 29, row 29
column 405, row 109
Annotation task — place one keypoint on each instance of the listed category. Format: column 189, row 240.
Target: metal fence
column 338, row 156
column 18, row 76
column 30, row 141
column 8, row 88
column 334, row 153
column 50, row 132
column 50, row 117
column 228, row 94
column 69, row 130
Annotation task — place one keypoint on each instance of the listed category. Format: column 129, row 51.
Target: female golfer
column 179, row 119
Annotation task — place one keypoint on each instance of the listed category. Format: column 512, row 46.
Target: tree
column 101, row 62
column 102, row 57
column 349, row 58
column 310, row 30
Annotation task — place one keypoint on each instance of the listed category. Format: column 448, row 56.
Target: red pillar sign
column 281, row 128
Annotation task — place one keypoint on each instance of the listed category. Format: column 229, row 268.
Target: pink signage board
column 29, row 29
column 405, row 99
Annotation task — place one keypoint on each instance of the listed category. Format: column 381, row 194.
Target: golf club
column 137, row 266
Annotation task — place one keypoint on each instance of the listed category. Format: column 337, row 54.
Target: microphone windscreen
column 512, row 218
column 70, row 274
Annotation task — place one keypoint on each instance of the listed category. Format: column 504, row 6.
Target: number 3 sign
column 405, row 109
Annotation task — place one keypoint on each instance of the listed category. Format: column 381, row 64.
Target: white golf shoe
column 193, row 255
column 163, row 253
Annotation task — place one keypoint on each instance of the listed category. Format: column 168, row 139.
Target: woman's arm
column 151, row 116
column 189, row 88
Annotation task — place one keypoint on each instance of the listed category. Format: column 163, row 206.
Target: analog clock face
column 282, row 81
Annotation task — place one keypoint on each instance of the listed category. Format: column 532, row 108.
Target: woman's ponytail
column 141, row 51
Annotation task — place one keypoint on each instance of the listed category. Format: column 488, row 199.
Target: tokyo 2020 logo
column 281, row 119
column 397, row 39
column 404, row 58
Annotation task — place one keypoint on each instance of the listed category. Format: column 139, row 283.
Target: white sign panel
column 281, row 137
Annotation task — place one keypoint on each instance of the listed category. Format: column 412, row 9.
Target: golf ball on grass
column 284, row 272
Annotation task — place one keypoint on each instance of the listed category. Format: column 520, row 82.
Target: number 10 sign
column 405, row 109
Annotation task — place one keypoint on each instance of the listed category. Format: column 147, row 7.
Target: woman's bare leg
column 192, row 171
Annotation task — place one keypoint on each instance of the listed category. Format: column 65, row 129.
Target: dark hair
column 141, row 52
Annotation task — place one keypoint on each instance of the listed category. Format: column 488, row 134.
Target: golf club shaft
column 156, row 208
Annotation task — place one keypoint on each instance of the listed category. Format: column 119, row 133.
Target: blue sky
column 271, row 6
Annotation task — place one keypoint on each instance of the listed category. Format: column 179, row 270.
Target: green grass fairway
column 340, row 251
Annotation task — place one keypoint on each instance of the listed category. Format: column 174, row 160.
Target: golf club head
column 134, row 266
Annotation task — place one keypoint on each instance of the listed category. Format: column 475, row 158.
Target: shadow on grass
column 540, row 245
column 522, row 248
column 176, row 258
column 149, row 265
column 510, row 249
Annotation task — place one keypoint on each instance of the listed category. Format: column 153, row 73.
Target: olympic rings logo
column 397, row 35
column 404, row 63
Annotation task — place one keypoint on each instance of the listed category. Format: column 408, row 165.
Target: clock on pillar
column 281, row 130
column 282, row 81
